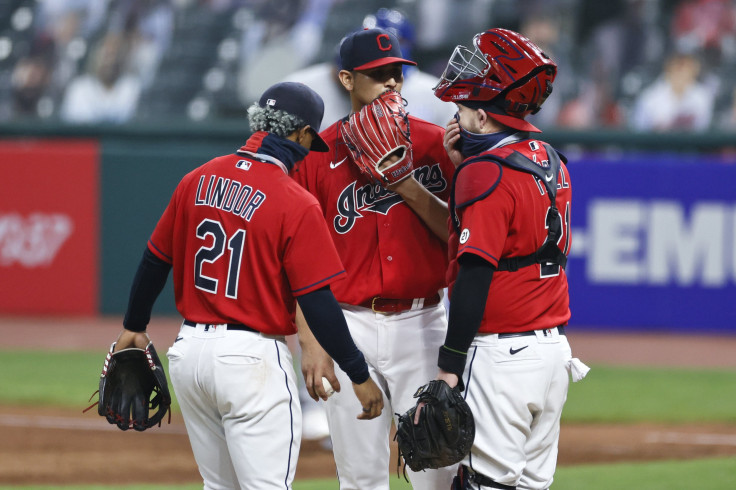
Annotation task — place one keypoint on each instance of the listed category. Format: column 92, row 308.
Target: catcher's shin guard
column 460, row 482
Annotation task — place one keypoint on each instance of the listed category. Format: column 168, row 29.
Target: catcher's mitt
column 133, row 381
column 377, row 132
column 445, row 432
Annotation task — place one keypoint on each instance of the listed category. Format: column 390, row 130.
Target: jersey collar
column 262, row 157
column 512, row 138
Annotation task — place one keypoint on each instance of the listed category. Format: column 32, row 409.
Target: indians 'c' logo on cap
column 380, row 41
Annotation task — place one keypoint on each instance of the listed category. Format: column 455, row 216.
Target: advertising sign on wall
column 654, row 242
column 49, row 227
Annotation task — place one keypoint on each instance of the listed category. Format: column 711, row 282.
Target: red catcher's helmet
column 503, row 72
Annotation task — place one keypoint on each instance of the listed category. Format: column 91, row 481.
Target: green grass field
column 710, row 474
column 608, row 394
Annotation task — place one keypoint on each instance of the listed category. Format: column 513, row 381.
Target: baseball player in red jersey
column 506, row 344
column 392, row 242
column 241, row 237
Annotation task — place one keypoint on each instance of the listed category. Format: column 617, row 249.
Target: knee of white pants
column 360, row 447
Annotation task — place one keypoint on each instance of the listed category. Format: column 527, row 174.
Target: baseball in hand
column 327, row 386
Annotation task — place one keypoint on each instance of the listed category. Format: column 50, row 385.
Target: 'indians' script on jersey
column 356, row 199
column 386, row 248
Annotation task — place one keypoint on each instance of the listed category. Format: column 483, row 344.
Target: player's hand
column 452, row 136
column 371, row 399
column 403, row 183
column 449, row 378
column 315, row 364
column 129, row 338
column 404, row 186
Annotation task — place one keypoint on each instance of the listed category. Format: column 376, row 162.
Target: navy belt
column 528, row 333
column 230, row 326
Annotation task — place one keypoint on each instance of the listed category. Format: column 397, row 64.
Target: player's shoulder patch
column 475, row 179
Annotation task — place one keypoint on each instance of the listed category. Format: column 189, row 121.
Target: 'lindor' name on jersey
column 229, row 195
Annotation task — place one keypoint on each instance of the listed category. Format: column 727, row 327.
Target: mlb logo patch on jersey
column 244, row 164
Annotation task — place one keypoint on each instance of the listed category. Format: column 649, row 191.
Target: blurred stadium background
column 205, row 60
column 105, row 104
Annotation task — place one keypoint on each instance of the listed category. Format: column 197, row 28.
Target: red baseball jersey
column 386, row 248
column 511, row 222
column 243, row 238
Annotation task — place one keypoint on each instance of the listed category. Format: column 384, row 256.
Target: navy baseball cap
column 370, row 48
column 301, row 101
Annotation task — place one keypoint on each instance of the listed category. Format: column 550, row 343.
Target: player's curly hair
column 278, row 122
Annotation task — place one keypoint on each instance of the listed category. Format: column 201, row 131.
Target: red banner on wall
column 49, row 224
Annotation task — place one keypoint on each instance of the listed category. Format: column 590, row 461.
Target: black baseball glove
column 133, row 390
column 445, row 432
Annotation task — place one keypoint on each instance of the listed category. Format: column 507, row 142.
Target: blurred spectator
column 677, row 100
column 619, row 41
column 446, row 23
column 70, row 24
column 30, row 82
column 149, row 25
column 323, row 79
column 283, row 37
column 550, row 31
column 727, row 119
column 89, row 16
column 106, row 93
column 706, row 26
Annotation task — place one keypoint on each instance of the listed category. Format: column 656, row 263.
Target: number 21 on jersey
column 213, row 253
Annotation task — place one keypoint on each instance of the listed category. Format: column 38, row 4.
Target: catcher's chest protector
column 519, row 157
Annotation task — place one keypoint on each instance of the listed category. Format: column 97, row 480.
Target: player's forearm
column 324, row 321
column 431, row 209
column 149, row 281
column 468, row 305
column 306, row 337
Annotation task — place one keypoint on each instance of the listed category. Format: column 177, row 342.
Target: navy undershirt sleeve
column 328, row 325
column 467, row 305
column 149, row 281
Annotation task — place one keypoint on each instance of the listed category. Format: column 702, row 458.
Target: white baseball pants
column 516, row 388
column 239, row 399
column 401, row 350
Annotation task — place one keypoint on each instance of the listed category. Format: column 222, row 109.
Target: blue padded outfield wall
column 654, row 242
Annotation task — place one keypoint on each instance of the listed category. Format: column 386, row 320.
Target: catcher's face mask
column 464, row 63
column 504, row 69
